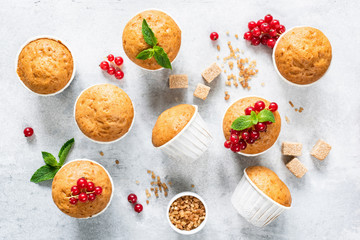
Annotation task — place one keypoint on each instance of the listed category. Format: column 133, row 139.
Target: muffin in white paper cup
column 45, row 65
column 254, row 196
column 181, row 133
column 104, row 113
column 68, row 176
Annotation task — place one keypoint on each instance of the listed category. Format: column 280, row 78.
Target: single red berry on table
column 248, row 110
column 138, row 208
column 235, row 147
column 98, row 190
column 132, row 198
column 214, row 36
column 247, row 36
column 110, row 57
column 251, row 25
column 91, row 196
column 272, row 33
column 250, row 141
column 90, row 187
column 265, row 27
column 254, row 134
column 261, row 127
column 275, row 24
column 255, row 41
column 273, row 106
column 242, row 144
column 119, row 74
column 264, row 39
column 82, row 183
column 232, row 131
column 261, row 21
column 119, row 61
column 111, row 70
column 28, row 132
column 227, row 144
column 271, row 43
column 245, row 135
column 281, row 29
column 73, row 200
column 256, row 32
column 104, row 65
column 75, row 190
column 268, row 18
column 83, row 197
column 259, row 105
column 234, row 138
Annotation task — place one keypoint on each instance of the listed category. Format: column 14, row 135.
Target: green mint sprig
column 247, row 121
column 52, row 166
column 156, row 51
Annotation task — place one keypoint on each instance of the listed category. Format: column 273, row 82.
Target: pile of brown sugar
column 156, row 186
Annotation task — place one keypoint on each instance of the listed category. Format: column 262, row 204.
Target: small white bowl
column 53, row 38
column 277, row 70
column 245, row 154
column 112, row 184
column 191, row 142
column 254, row 205
column 132, row 123
column 154, row 70
column 184, row 232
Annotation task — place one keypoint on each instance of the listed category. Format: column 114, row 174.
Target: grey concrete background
column 325, row 201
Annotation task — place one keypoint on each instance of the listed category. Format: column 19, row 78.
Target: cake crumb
column 117, row 161
column 218, row 47
column 101, row 153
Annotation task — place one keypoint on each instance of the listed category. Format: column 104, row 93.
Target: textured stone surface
column 325, row 202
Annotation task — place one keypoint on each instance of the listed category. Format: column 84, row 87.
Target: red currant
column 268, row 18
column 271, row 43
column 214, row 36
column 90, row 187
column 265, row 27
column 119, row 74
column 281, row 29
column 110, row 57
column 242, row 144
column 28, row 132
column 73, row 200
column 256, row 32
column 264, row 39
column 247, row 36
column 276, row 37
column 259, row 105
column 251, row 25
column 272, row 32
column 275, row 24
column 261, row 21
column 268, row 123
column 82, row 183
column 255, row 41
column 104, row 65
column 232, row 131
column 111, row 70
column 138, row 208
column 83, row 197
column 98, row 190
column 132, row 198
column 245, row 135
column 273, row 107
column 119, row 61
column 250, row 141
column 91, row 196
column 248, row 110
column 235, row 147
column 227, row 144
column 234, row 138
column 254, row 134
column 75, row 190
column 261, row 127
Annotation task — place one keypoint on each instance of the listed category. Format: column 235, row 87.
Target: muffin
column 181, row 132
column 303, row 55
column 165, row 29
column 45, row 66
column 67, row 177
column 104, row 112
column 260, row 197
column 266, row 139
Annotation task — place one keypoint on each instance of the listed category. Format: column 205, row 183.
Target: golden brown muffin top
column 104, row 112
column 45, row 66
column 303, row 55
column 165, row 29
column 171, row 122
column 67, row 177
column 267, row 139
column 270, row 184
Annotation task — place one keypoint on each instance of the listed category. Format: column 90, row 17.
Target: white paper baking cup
column 53, row 38
column 246, row 154
column 277, row 70
column 254, row 205
column 112, row 185
column 132, row 123
column 191, row 142
column 154, row 70
column 203, row 223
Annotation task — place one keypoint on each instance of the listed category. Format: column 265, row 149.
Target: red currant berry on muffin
column 273, row 106
column 104, row 65
column 98, row 190
column 91, row 196
column 83, row 197
column 235, row 147
column 90, row 187
column 227, row 144
column 259, row 105
column 250, row 141
column 73, row 200
column 81, row 183
column 75, row 190
column 28, row 132
column 242, row 144
column 132, row 198
column 245, row 135
column 110, row 57
column 119, row 61
column 234, row 138
column 248, row 110
column 138, row 208
column 254, row 134
column 214, row 36
column 261, row 127
column 232, row 131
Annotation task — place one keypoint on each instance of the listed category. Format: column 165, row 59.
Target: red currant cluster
column 132, row 198
column 239, row 139
column 84, row 191
column 265, row 31
column 28, row 132
column 113, row 68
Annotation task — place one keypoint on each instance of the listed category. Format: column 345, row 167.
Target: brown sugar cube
column 201, row 91
column 291, row 149
column 211, row 72
column 297, row 168
column 321, row 150
column 178, row 81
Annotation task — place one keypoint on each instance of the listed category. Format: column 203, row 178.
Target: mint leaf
column 49, row 159
column 46, row 172
column 148, row 34
column 64, row 151
column 254, row 118
column 266, row 116
column 242, row 122
column 161, row 57
column 146, row 54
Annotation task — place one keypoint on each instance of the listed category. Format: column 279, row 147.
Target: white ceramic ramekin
column 277, row 70
column 112, row 184
column 53, row 38
column 191, row 142
column 254, row 205
column 132, row 123
column 245, row 154
column 154, row 70
column 184, row 232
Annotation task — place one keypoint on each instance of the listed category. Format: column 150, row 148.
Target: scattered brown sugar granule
column 287, row 119
column 152, row 189
column 291, row 149
column 320, row 150
column 296, row 109
column 137, row 182
column 291, row 104
column 210, row 73
column 170, row 183
column 187, row 213
column 192, row 185
column 148, row 171
column 301, row 109
column 227, row 96
column 236, row 36
column 147, row 202
column 178, row 81
column 147, row 193
column 152, row 175
column 296, row 167
column 117, row 161
column 218, row 47
column 152, row 183
column 156, row 192
column 101, row 153
column 201, row 91
column 231, row 65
